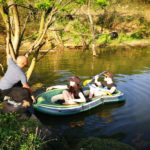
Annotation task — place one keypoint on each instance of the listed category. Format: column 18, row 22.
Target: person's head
column 108, row 77
column 108, row 74
column 22, row 61
column 74, row 80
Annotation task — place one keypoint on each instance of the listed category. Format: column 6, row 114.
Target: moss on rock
column 94, row 143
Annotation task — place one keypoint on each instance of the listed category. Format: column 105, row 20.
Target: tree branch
column 16, row 18
column 23, row 30
column 66, row 3
column 6, row 19
column 42, row 22
column 30, row 8
column 41, row 36
column 45, row 53
column 33, row 62
column 2, row 68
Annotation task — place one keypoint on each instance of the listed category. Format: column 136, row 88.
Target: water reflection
column 127, row 121
column 58, row 66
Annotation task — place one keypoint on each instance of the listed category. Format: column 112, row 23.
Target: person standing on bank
column 14, row 74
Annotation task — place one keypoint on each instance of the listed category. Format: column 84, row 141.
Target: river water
column 129, row 121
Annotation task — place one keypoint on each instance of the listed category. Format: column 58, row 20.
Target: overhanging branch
column 2, row 68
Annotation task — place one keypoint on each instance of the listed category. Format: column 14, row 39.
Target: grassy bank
column 18, row 133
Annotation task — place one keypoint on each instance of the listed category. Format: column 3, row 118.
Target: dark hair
column 109, row 74
column 76, row 88
column 75, row 79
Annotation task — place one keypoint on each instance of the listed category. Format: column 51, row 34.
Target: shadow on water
column 127, row 121
column 103, row 111
column 76, row 127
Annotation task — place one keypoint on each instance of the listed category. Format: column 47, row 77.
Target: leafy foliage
column 103, row 3
column 2, row 1
column 81, row 27
column 141, row 34
column 73, row 27
column 45, row 4
column 17, row 133
column 19, row 1
column 80, row 1
column 103, row 39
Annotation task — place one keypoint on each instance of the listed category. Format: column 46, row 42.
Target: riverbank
column 107, row 122
column 28, row 134
column 143, row 43
column 129, row 20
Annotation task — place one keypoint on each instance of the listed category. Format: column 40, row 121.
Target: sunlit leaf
column 80, row 1
column 103, row 3
column 44, row 5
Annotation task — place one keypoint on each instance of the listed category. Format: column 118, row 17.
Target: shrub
column 17, row 133
column 141, row 34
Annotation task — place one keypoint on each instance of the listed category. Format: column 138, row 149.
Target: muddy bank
column 145, row 43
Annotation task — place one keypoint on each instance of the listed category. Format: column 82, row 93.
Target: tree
column 15, row 25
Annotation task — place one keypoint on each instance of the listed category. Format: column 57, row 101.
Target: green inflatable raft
column 45, row 105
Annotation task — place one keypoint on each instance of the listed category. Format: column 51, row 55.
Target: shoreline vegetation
column 77, row 26
column 28, row 134
column 72, row 30
column 143, row 43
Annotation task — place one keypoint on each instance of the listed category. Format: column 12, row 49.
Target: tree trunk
column 6, row 19
column 58, row 40
column 31, row 68
column 41, row 35
column 42, row 22
column 16, row 39
column 92, row 30
column 15, row 26
column 13, row 31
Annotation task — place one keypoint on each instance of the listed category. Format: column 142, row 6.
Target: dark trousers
column 18, row 94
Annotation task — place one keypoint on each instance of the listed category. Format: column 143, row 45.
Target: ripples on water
column 129, row 121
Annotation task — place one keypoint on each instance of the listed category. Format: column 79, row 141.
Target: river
column 129, row 121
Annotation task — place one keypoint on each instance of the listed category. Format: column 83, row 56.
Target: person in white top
column 72, row 93
column 106, row 87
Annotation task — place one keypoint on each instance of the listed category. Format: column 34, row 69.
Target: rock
column 94, row 143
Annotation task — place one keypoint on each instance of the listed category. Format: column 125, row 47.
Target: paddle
column 86, row 82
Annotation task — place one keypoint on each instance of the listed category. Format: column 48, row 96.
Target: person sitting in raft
column 106, row 87
column 72, row 93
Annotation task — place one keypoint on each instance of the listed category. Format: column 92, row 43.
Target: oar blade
column 86, row 82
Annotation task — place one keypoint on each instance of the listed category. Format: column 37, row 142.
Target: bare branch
column 66, row 4
column 30, row 36
column 9, row 46
column 30, row 8
column 24, row 27
column 2, row 68
column 45, row 53
column 34, row 60
column 41, row 36
column 42, row 22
